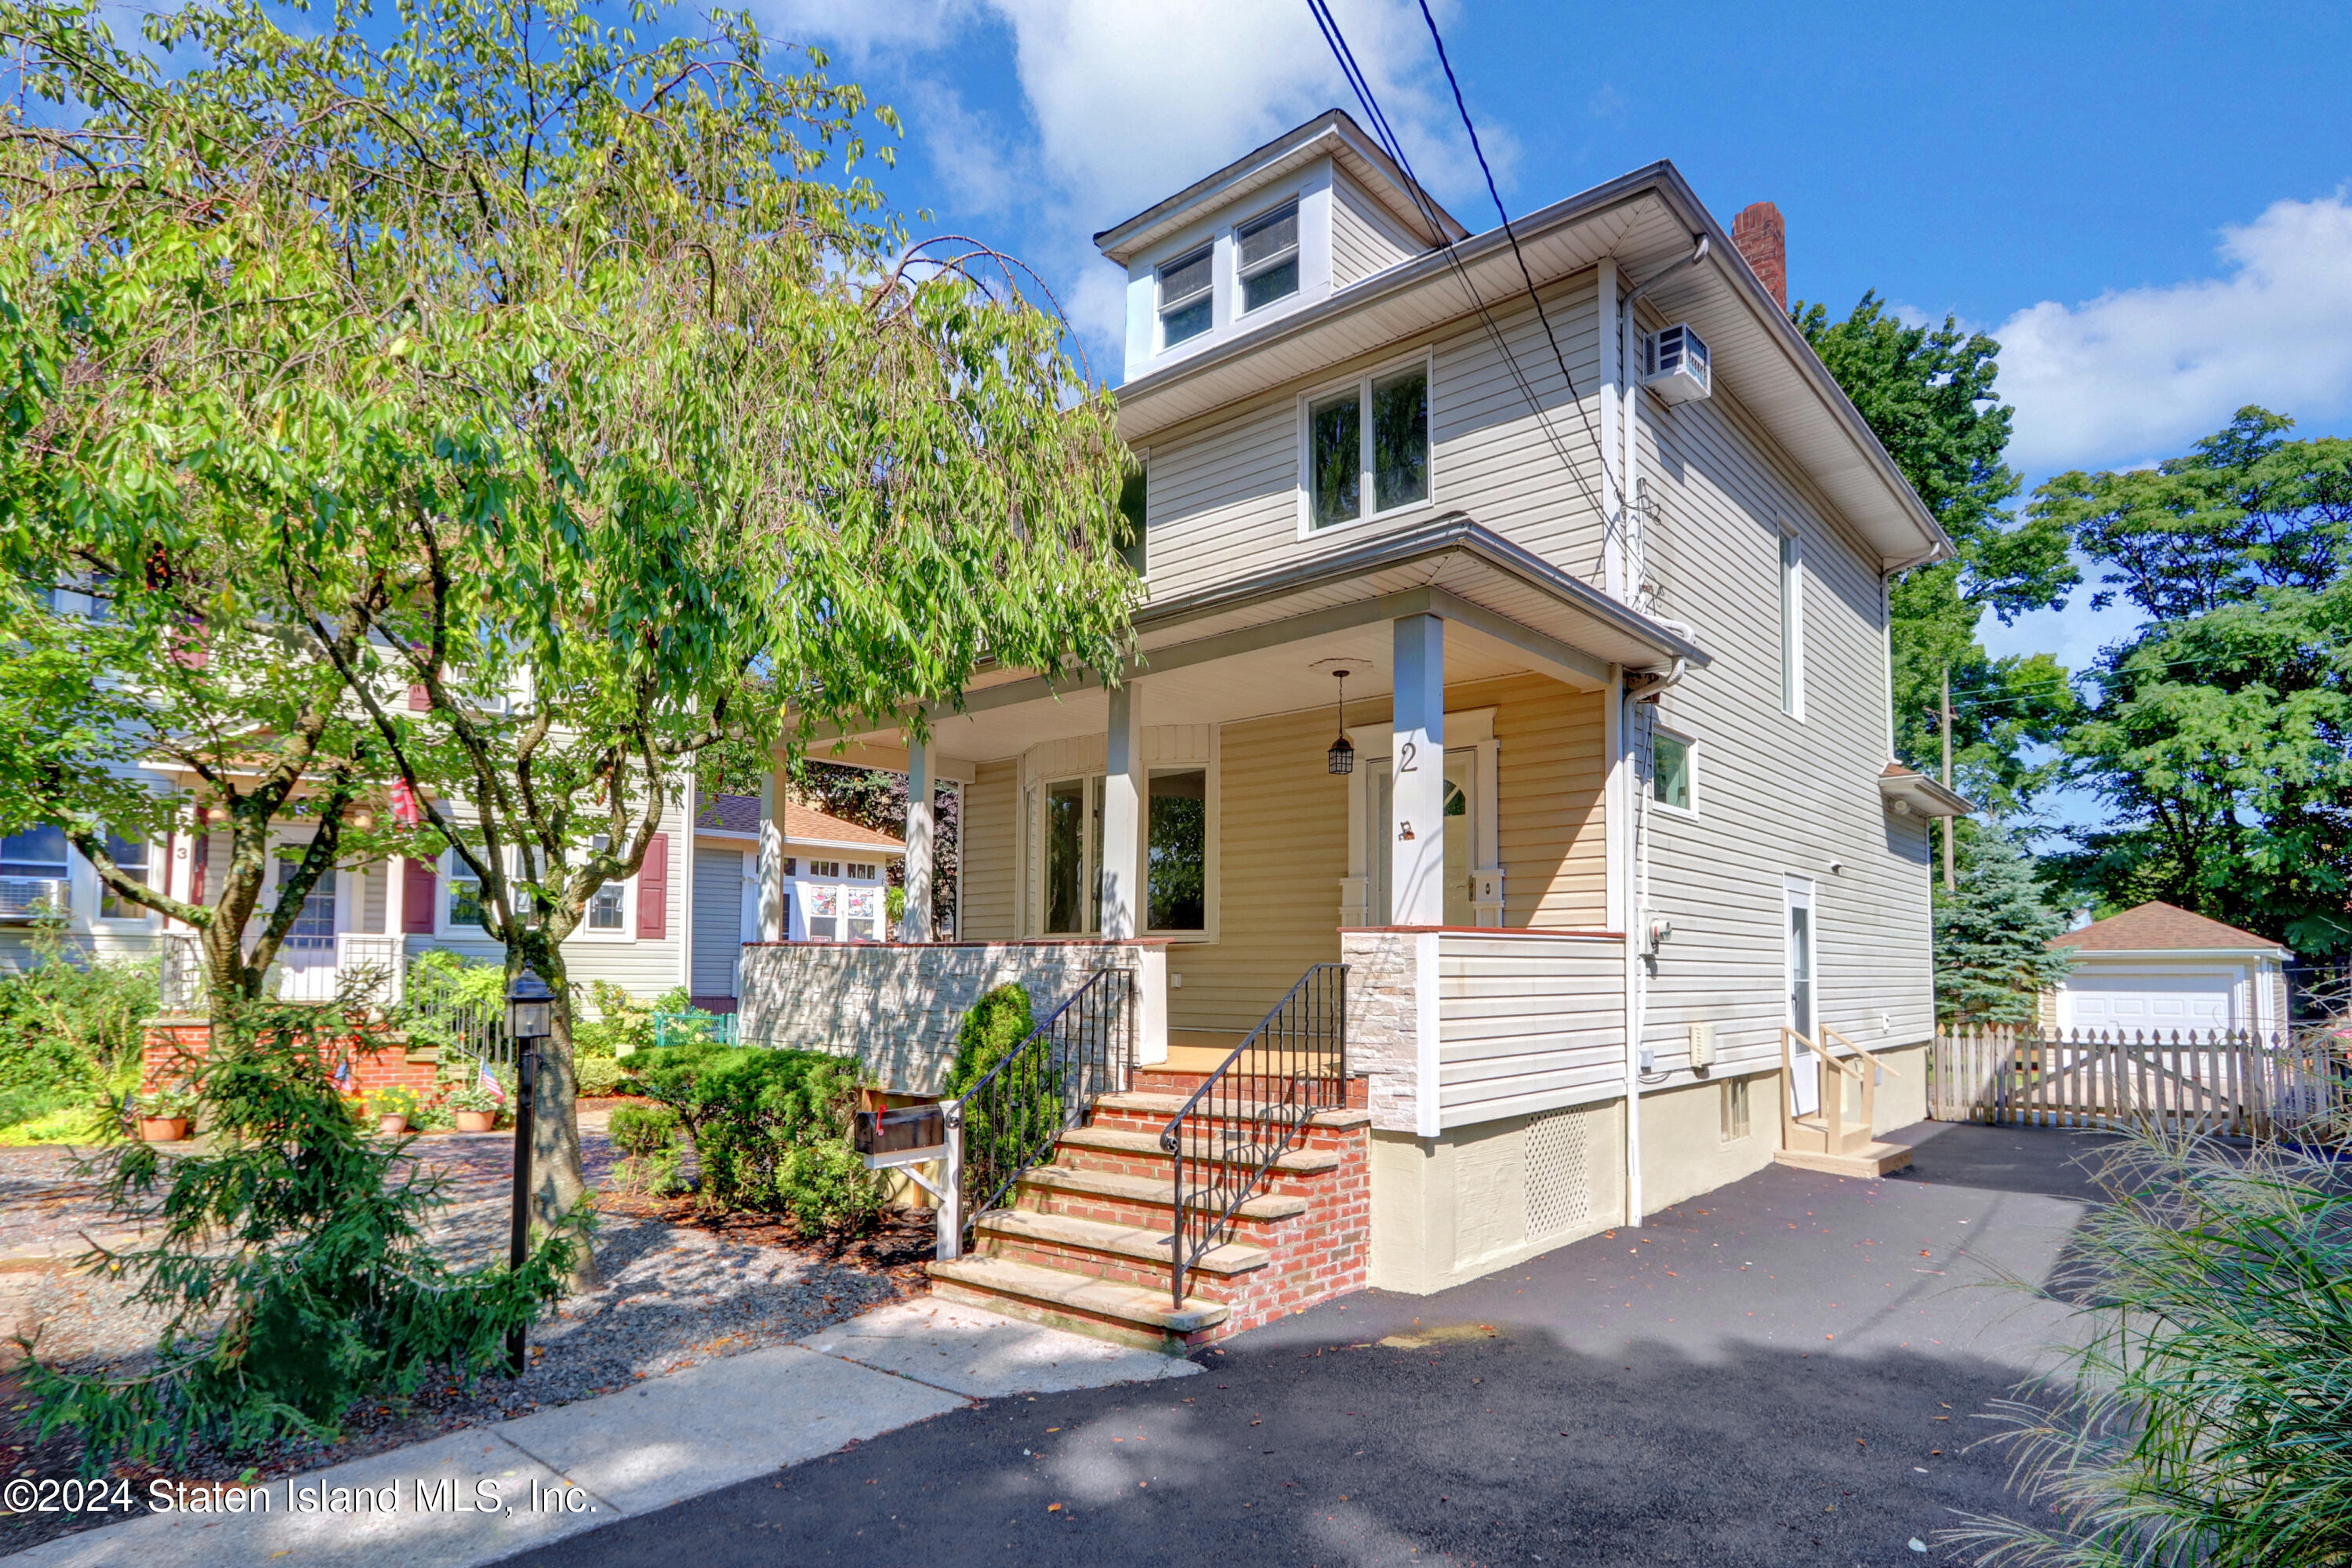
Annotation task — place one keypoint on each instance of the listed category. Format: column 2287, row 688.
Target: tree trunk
column 558, row 1180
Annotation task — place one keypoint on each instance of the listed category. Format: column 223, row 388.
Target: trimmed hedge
column 771, row 1130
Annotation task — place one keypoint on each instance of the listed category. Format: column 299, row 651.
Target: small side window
column 1670, row 770
column 1186, row 302
column 1267, row 254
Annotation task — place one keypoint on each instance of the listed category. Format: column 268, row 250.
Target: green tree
column 1927, row 393
column 609, row 414
column 1993, row 957
column 2222, row 737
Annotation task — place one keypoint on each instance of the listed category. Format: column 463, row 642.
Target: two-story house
column 1595, row 553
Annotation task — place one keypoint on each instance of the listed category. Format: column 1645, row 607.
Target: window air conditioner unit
column 1675, row 364
column 34, row 897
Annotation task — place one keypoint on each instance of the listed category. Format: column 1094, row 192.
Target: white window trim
column 1691, row 749
column 1789, row 562
column 1160, row 307
column 1297, row 252
column 145, row 919
column 445, row 882
column 1212, row 883
column 1427, row 359
column 1167, row 749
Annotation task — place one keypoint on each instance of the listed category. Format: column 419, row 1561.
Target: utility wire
column 1440, row 239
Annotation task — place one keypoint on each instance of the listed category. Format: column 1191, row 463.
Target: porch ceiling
column 1248, row 648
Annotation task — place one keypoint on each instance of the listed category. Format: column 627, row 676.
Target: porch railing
column 435, row 1014
column 1011, row 1119
column 180, row 973
column 1252, row 1110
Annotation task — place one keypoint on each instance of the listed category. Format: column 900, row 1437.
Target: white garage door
column 2135, row 1002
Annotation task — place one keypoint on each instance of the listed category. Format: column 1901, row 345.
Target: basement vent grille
column 1559, row 1172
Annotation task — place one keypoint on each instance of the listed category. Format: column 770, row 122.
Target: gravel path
column 676, row 1290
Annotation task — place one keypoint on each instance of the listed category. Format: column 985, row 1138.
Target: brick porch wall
column 176, row 1047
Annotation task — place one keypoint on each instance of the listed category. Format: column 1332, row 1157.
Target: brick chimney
column 1759, row 234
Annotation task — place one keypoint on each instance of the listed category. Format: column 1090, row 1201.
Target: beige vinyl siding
column 372, row 892
column 1550, row 769
column 1777, row 795
column 1364, row 240
column 1225, row 491
column 990, row 802
column 1282, row 853
column 1527, row 1023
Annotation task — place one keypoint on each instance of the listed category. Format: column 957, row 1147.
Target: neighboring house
column 834, row 872
column 1618, row 703
column 2157, row 967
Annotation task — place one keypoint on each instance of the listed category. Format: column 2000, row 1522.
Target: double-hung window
column 1187, row 302
column 33, row 873
column 608, row 905
column 1266, row 256
column 130, row 856
column 465, row 896
column 1367, row 448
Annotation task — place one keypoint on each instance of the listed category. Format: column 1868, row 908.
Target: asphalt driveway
column 1789, row 1370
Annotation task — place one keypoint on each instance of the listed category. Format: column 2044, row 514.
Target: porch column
column 915, row 925
column 1417, row 852
column 1125, row 784
column 771, row 856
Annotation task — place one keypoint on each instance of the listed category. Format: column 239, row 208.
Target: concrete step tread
column 1144, row 1102
column 1145, row 1190
column 1120, row 1240
column 1110, row 1139
column 1081, row 1293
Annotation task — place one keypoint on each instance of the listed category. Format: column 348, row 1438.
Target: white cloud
column 2143, row 373
column 1130, row 101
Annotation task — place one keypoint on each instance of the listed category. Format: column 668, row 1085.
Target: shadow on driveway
column 1786, row 1371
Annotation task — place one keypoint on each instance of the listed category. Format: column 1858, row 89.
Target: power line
column 1438, row 237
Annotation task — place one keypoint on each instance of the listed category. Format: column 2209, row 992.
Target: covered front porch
column 1449, row 835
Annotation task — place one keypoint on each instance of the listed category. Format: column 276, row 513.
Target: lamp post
column 528, row 1003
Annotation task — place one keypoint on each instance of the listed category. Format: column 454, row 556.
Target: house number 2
column 1405, row 763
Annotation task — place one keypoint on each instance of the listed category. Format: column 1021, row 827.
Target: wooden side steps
column 1085, row 1243
column 1834, row 1138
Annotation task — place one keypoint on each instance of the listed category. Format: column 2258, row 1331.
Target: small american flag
column 490, row 1081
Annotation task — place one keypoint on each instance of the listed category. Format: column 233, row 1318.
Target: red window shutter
column 419, row 699
column 416, row 898
column 652, row 888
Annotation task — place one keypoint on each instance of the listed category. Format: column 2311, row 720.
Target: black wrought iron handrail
column 1252, row 1110
column 1013, row 1114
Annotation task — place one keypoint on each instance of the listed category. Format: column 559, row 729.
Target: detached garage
column 2157, row 967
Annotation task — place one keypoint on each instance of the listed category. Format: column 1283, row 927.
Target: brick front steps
column 1085, row 1244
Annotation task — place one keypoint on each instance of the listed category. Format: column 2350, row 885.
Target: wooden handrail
column 1857, row 1050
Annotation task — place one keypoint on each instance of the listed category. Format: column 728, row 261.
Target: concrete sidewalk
column 476, row 1496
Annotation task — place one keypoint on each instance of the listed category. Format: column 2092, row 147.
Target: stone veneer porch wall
column 897, row 1005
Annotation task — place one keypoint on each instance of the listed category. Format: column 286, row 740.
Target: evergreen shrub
column 771, row 1130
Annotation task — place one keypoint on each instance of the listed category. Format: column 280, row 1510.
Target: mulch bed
column 678, row 1286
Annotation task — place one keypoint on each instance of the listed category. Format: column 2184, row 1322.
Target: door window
column 1461, row 828
column 1804, row 1085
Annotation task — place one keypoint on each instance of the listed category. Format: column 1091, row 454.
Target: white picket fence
column 2235, row 1083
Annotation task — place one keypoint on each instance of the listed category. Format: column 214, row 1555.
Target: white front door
column 1461, row 827
column 307, row 954
column 1804, row 1084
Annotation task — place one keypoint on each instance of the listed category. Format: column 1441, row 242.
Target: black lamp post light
column 529, row 1007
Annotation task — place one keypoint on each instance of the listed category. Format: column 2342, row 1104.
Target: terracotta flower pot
column 477, row 1121
column 391, row 1126
column 162, row 1129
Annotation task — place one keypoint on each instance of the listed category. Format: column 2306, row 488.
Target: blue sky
column 2148, row 204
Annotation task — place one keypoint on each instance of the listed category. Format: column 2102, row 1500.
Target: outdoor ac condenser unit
column 1675, row 364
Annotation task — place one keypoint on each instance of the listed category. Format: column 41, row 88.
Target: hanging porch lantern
column 1341, row 757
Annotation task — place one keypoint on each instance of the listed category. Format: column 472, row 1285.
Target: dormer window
column 1185, row 302
column 1268, row 250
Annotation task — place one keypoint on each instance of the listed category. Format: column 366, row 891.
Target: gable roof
column 740, row 814
column 1330, row 134
column 2159, row 927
